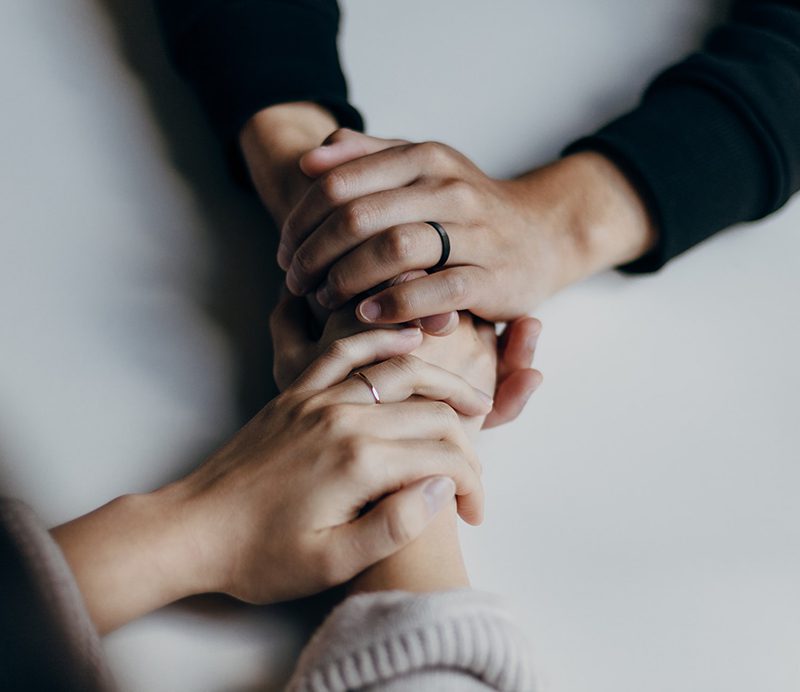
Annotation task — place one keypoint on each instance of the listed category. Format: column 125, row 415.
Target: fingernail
column 369, row 310
column 437, row 493
column 531, row 342
column 409, row 332
column 435, row 323
column 324, row 296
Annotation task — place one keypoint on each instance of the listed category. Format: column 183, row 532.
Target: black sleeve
column 243, row 55
column 716, row 138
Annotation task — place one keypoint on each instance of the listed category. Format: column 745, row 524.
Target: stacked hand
column 362, row 222
column 284, row 187
column 279, row 511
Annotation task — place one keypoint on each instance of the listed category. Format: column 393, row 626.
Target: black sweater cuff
column 243, row 56
column 685, row 150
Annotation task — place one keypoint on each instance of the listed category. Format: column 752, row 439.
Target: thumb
column 340, row 147
column 435, row 325
column 398, row 519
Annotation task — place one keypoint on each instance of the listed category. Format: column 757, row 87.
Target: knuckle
column 434, row 154
column 338, row 350
column 456, row 287
column 332, row 417
column 306, row 410
column 446, row 414
column 463, row 194
column 356, row 217
column 407, row 364
column 334, row 186
column 304, row 259
column 338, row 282
column 356, row 458
column 398, row 243
column 338, row 135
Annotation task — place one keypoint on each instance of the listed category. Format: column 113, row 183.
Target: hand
column 273, row 141
column 296, row 344
column 279, row 505
column 319, row 485
column 513, row 242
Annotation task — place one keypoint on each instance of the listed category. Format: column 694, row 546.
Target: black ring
column 445, row 244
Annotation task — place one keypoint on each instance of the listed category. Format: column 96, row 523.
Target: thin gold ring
column 369, row 384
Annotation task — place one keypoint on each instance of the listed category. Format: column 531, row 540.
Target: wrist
column 596, row 217
column 272, row 141
column 129, row 557
column 433, row 562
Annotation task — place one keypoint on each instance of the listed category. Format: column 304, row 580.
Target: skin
column 433, row 561
column 273, row 142
column 514, row 242
column 277, row 512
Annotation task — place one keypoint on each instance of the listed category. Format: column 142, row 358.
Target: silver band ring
column 445, row 244
column 369, row 384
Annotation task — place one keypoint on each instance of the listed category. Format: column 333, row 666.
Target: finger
column 383, row 466
column 339, row 359
column 457, row 288
column 333, row 165
column 511, row 396
column 391, row 252
column 518, row 345
column 356, row 221
column 393, row 523
column 341, row 146
column 400, row 377
column 515, row 380
column 386, row 168
column 435, row 325
column 416, row 419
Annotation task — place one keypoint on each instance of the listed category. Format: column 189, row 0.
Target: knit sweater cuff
column 679, row 135
column 377, row 639
column 240, row 60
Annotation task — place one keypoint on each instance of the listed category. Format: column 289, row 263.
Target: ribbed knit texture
column 459, row 640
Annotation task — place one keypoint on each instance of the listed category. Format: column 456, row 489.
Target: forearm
column 129, row 557
column 595, row 216
column 272, row 142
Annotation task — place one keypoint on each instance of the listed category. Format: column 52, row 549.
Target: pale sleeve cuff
column 459, row 640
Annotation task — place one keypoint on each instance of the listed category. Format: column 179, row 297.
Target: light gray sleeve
column 462, row 640
column 52, row 643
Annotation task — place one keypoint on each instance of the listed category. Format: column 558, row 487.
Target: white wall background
column 643, row 516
